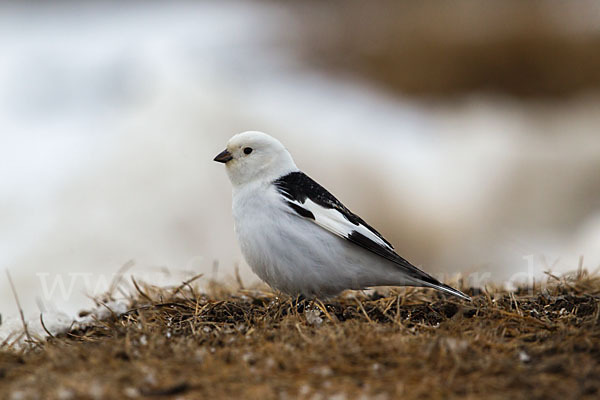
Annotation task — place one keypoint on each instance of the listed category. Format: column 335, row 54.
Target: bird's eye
column 247, row 150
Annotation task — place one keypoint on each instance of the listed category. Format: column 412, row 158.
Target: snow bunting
column 300, row 239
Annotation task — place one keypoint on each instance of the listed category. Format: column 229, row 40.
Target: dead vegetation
column 538, row 343
column 542, row 49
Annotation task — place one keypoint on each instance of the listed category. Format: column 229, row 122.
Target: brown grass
column 252, row 344
column 439, row 48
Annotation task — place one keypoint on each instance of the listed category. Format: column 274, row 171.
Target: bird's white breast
column 267, row 234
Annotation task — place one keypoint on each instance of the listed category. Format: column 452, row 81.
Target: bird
column 298, row 237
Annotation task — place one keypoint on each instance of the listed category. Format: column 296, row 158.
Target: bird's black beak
column 223, row 156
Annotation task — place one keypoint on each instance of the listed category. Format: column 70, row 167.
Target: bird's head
column 255, row 156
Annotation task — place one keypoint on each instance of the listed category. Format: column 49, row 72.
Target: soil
column 238, row 343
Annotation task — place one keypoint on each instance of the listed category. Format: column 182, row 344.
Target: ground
column 542, row 342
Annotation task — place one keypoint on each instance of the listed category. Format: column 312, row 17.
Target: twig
column 112, row 313
column 363, row 310
column 514, row 300
column 547, row 325
column 580, row 268
column 302, row 335
column 15, row 341
column 187, row 283
column 137, row 287
column 119, row 276
column 19, row 307
column 551, row 275
column 238, row 278
column 44, row 326
column 7, row 340
column 320, row 305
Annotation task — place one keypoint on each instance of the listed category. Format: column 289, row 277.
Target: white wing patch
column 335, row 222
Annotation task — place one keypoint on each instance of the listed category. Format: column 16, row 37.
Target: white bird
column 300, row 239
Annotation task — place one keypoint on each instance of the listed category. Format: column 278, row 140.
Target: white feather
column 334, row 221
column 297, row 256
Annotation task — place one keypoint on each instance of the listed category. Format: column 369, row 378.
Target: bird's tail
column 427, row 280
column 423, row 279
column 447, row 289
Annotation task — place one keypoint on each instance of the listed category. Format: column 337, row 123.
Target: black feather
column 301, row 211
column 298, row 186
column 374, row 247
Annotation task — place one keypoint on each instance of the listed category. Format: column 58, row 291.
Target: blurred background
column 468, row 133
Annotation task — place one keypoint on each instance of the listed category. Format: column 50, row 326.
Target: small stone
column 313, row 317
column 524, row 357
column 131, row 392
column 64, row 394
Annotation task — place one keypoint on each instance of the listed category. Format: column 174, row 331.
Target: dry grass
column 252, row 344
column 440, row 48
